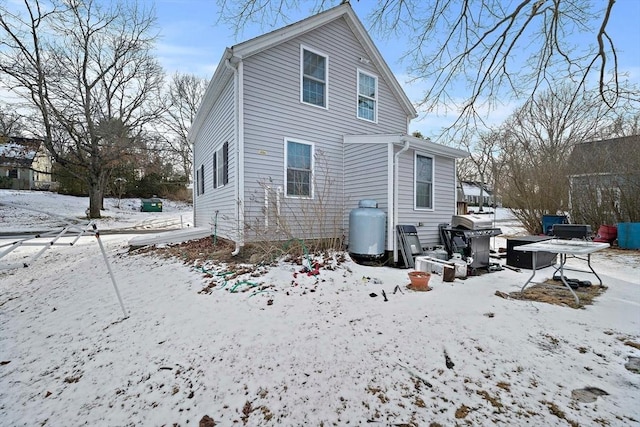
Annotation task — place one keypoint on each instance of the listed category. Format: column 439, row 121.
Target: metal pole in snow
column 113, row 279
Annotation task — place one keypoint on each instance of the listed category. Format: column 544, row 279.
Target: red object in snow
column 606, row 234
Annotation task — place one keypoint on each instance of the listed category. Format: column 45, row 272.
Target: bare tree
column 11, row 123
column 495, row 49
column 625, row 122
column 184, row 97
column 536, row 143
column 481, row 166
column 85, row 67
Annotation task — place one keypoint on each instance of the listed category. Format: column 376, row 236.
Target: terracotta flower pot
column 420, row 280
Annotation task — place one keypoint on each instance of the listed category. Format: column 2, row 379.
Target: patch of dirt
column 419, row 288
column 632, row 344
column 200, row 249
column 555, row 410
column 494, row 401
column 207, row 421
column 462, row 411
column 610, row 252
column 551, row 293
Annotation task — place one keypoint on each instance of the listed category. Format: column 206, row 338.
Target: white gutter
column 239, row 139
column 395, row 196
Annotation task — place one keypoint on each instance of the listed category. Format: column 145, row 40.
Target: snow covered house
column 475, row 193
column 300, row 124
column 25, row 164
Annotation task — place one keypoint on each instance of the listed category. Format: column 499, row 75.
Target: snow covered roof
column 473, row 189
column 18, row 152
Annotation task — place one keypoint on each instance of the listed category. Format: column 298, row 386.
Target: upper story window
column 314, row 72
column 423, row 182
column 367, row 96
column 221, row 166
column 299, row 169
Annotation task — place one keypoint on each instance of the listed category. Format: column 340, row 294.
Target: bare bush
column 536, row 143
column 298, row 225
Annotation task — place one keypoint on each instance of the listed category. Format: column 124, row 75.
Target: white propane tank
column 367, row 231
column 460, row 264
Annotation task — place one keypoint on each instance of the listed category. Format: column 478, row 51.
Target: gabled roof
column 605, row 156
column 18, row 152
column 266, row 41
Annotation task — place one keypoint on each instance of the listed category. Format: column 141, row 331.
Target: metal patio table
column 575, row 248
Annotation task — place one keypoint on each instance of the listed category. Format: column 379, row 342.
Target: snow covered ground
column 56, row 209
column 305, row 350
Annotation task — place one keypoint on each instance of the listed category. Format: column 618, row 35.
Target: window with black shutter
column 202, row 179
column 225, row 163
column 215, row 169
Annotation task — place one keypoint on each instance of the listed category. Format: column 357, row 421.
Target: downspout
column 236, row 130
column 396, row 186
column 193, row 187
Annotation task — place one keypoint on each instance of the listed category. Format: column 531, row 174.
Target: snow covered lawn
column 308, row 350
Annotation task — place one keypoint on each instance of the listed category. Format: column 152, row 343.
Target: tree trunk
column 481, row 193
column 95, row 200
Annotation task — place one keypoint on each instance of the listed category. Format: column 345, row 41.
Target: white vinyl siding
column 423, row 182
column 314, row 72
column 273, row 111
column 366, row 170
column 443, row 195
column 299, row 171
column 367, row 96
column 217, row 129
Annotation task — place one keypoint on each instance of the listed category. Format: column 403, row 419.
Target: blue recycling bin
column 629, row 235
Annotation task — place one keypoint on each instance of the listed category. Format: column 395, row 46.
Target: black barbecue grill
column 571, row 231
column 469, row 236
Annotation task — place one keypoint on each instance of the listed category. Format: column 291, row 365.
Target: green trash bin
column 153, row 204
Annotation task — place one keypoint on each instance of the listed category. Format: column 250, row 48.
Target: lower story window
column 424, row 182
column 200, row 180
column 299, row 171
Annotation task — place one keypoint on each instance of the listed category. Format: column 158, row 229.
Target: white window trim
column 375, row 99
column 415, row 182
column 326, row 76
column 220, row 167
column 311, row 182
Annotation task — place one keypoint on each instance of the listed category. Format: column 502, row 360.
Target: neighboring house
column 604, row 181
column 473, row 193
column 25, row 164
column 299, row 124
